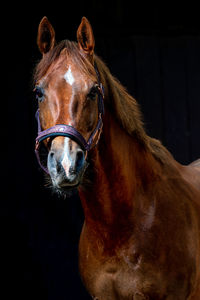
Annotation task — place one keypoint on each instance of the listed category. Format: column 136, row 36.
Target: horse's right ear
column 46, row 36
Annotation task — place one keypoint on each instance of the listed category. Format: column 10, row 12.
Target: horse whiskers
column 85, row 182
column 60, row 192
column 47, row 181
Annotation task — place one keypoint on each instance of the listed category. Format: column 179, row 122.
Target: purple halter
column 69, row 131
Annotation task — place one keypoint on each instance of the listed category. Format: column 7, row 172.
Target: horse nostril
column 53, row 163
column 51, row 155
column 79, row 160
column 51, row 159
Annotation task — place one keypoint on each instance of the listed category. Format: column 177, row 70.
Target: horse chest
column 113, row 278
column 127, row 277
column 122, row 283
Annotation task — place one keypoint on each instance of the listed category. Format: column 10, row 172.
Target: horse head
column 68, row 92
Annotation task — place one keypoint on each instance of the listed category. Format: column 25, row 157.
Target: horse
column 141, row 234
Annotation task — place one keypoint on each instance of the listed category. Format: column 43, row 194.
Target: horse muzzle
column 66, row 163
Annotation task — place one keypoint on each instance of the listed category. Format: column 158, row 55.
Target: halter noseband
column 70, row 131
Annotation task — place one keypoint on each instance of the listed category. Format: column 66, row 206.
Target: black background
column 155, row 52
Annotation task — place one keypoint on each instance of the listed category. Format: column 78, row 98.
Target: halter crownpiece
column 70, row 131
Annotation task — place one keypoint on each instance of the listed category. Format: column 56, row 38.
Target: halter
column 70, row 131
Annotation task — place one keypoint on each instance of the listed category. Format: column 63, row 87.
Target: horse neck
column 120, row 171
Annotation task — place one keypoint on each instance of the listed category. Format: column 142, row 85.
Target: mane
column 128, row 114
column 125, row 107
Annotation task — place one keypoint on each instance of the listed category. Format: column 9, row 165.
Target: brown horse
column 141, row 235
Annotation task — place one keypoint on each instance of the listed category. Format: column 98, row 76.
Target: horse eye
column 93, row 93
column 39, row 93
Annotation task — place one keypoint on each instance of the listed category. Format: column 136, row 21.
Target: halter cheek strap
column 70, row 131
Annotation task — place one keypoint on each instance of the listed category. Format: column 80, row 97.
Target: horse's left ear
column 85, row 37
column 46, row 36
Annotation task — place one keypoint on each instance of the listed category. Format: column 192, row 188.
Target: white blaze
column 67, row 159
column 69, row 76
